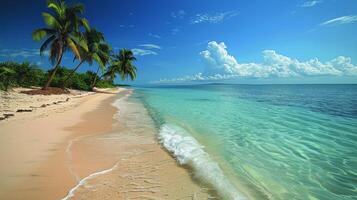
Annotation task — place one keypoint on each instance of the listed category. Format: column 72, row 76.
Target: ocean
column 261, row 141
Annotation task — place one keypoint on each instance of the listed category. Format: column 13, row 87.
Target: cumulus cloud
column 220, row 65
column 213, row 18
column 150, row 46
column 310, row 3
column 340, row 20
column 143, row 52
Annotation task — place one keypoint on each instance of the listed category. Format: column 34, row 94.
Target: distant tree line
column 25, row 74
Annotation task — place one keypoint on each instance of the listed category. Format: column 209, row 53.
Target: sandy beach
column 92, row 146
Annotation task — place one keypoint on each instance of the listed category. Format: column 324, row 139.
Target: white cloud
column 198, row 77
column 180, row 14
column 340, row 20
column 213, row 19
column 174, row 31
column 149, row 50
column 150, row 46
column 154, row 35
column 310, row 3
column 25, row 53
column 221, row 65
column 5, row 50
column 143, row 52
column 126, row 26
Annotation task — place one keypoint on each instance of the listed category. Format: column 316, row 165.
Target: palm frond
column 50, row 20
column 122, row 65
column 85, row 24
column 73, row 46
column 83, row 44
column 76, row 8
column 46, row 43
column 39, row 34
column 98, row 59
column 55, row 6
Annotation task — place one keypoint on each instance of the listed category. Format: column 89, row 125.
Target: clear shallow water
column 262, row 142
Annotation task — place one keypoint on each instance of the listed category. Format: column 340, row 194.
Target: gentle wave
column 189, row 152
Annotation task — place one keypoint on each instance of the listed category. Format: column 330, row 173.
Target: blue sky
column 186, row 41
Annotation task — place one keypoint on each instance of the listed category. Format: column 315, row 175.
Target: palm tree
column 123, row 65
column 106, row 50
column 62, row 33
column 97, row 51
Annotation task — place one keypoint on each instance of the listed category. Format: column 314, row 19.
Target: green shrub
column 79, row 82
column 90, row 76
column 59, row 77
column 105, row 84
column 7, row 77
column 26, row 75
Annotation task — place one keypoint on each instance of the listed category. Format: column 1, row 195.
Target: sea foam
column 82, row 182
column 189, row 152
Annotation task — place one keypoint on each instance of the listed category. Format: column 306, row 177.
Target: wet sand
column 143, row 170
column 91, row 152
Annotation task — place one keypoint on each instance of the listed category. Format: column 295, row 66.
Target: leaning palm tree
column 62, row 33
column 123, row 65
column 96, row 52
column 106, row 51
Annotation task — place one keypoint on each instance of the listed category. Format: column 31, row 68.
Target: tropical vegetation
column 122, row 64
column 98, row 51
column 68, row 32
column 28, row 75
column 62, row 33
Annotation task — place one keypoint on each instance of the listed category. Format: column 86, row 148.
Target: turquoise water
column 262, row 142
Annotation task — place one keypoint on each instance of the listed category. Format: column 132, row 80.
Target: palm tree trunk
column 71, row 74
column 49, row 80
column 95, row 78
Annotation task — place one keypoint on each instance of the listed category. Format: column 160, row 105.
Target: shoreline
column 144, row 169
column 87, row 140
column 34, row 147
